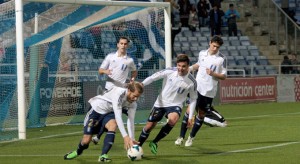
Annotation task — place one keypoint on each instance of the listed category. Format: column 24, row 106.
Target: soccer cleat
column 153, row 147
column 189, row 141
column 95, row 140
column 71, row 155
column 179, row 141
column 104, row 158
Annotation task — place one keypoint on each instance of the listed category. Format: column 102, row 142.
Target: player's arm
column 193, row 102
column 194, row 67
column 133, row 75
column 130, row 122
column 220, row 76
column 156, row 76
column 118, row 116
column 103, row 69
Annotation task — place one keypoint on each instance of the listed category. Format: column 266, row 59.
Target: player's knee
column 111, row 125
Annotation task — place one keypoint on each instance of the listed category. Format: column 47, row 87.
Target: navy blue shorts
column 157, row 113
column 94, row 121
column 203, row 103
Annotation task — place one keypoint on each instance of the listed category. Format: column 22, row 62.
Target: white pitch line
column 259, row 148
column 269, row 115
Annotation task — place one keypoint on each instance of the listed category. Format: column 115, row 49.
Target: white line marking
column 267, row 115
column 259, row 148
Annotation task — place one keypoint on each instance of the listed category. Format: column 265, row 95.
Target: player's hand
column 127, row 143
column 108, row 72
column 135, row 142
column 190, row 123
column 209, row 72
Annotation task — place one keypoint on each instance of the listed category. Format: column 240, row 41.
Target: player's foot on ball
column 153, row 146
column 71, row 155
column 95, row 140
column 179, row 141
column 104, row 158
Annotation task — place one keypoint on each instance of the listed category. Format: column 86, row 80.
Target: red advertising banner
column 248, row 89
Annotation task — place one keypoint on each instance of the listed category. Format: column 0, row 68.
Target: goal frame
column 20, row 43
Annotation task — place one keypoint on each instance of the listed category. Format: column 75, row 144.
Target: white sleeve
column 105, row 63
column 156, row 76
column 130, row 121
column 193, row 100
column 118, row 115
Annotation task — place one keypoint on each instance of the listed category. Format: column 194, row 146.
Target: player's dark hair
column 183, row 58
column 136, row 86
column 231, row 5
column 217, row 39
column 125, row 38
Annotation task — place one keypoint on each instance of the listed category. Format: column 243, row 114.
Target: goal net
column 64, row 44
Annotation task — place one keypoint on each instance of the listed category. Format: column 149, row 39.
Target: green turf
column 257, row 134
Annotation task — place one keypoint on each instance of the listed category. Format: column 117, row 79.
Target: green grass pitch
column 258, row 133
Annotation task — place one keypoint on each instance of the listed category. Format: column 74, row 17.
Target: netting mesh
column 63, row 57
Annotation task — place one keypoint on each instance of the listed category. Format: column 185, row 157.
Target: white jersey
column 119, row 66
column 206, row 84
column 175, row 87
column 114, row 100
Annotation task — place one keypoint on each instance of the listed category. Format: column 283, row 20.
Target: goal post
column 54, row 94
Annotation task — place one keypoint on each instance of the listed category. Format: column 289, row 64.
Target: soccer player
column 177, row 84
column 106, row 112
column 210, row 68
column 117, row 66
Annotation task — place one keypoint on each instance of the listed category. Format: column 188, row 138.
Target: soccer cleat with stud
column 71, row 155
column 104, row 158
column 153, row 146
column 189, row 141
column 179, row 141
column 95, row 140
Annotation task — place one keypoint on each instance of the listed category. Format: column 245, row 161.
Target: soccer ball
column 135, row 153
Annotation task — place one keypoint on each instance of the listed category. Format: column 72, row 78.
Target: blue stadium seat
column 244, row 52
column 250, row 59
column 234, row 53
column 231, row 48
column 235, row 42
column 254, row 52
column 262, row 60
column 241, row 47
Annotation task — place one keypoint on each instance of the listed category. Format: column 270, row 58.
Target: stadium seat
column 234, row 53
column 241, row 47
column 225, row 52
column 203, row 39
column 230, row 38
column 231, row 48
column 240, row 60
column 250, row 59
column 245, row 43
column 235, row 42
column 244, row 38
column 183, row 39
column 194, row 48
column 262, row 60
column 244, row 52
column 192, row 39
column 194, row 44
column 254, row 52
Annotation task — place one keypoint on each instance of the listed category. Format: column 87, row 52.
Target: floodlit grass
column 257, row 133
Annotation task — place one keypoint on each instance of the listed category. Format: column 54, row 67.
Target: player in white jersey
column 106, row 112
column 177, row 84
column 117, row 67
column 210, row 68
